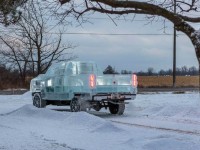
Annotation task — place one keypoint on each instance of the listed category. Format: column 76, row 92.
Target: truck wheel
column 117, row 108
column 97, row 106
column 121, row 108
column 37, row 101
column 75, row 105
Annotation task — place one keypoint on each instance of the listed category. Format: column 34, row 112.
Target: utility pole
column 174, row 51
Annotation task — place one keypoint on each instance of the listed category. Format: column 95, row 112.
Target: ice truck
column 82, row 86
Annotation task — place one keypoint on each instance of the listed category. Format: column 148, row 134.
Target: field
column 166, row 81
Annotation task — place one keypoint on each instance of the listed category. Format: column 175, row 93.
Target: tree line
column 10, row 78
column 180, row 71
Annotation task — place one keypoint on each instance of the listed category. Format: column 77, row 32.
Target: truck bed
column 115, row 84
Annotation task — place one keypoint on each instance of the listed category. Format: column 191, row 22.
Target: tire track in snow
column 159, row 128
column 13, row 111
column 5, row 126
column 51, row 143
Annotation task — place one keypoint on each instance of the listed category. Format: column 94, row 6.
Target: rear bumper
column 111, row 97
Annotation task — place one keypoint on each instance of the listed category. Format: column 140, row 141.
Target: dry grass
column 166, row 81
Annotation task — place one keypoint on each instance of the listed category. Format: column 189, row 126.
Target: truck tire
column 38, row 102
column 117, row 108
column 97, row 106
column 77, row 105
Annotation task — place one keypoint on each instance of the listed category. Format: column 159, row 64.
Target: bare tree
column 110, row 70
column 150, row 71
column 181, row 19
column 29, row 44
column 13, row 54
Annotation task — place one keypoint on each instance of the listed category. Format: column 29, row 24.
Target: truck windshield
column 85, row 68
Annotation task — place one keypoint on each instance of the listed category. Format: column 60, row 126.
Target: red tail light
column 134, row 80
column 92, row 81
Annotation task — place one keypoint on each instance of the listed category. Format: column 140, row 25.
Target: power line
column 121, row 19
column 115, row 34
column 108, row 34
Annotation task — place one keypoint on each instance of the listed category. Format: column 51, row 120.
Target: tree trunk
column 39, row 61
column 198, row 53
column 192, row 34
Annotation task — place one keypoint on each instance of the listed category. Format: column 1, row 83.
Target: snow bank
column 71, row 120
column 27, row 95
column 75, row 129
column 31, row 111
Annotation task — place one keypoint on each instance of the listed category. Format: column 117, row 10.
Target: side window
column 70, row 69
column 56, row 69
column 86, row 68
column 59, row 69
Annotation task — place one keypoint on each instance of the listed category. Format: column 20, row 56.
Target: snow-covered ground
column 151, row 122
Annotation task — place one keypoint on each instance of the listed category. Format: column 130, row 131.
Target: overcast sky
column 131, row 52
